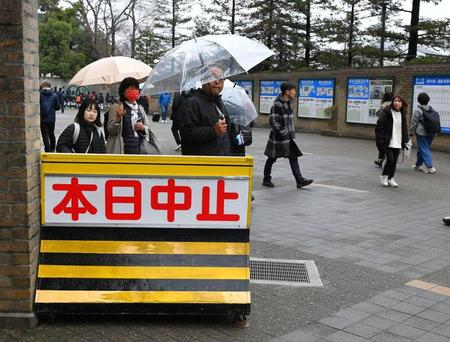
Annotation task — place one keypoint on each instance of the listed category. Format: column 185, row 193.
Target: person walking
column 204, row 121
column 128, row 130
column 84, row 135
column 392, row 135
column 281, row 139
column 385, row 101
column 49, row 104
column 423, row 139
column 178, row 102
column 163, row 103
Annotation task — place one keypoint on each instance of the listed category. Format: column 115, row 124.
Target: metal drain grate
column 284, row 272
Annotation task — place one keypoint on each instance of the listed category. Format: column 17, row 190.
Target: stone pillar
column 19, row 161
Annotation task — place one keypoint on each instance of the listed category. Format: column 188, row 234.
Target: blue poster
column 268, row 92
column 247, row 86
column 358, row 88
column 364, row 98
column 438, row 89
column 315, row 97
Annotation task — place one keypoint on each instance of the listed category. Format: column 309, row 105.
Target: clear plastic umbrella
column 190, row 63
column 240, row 107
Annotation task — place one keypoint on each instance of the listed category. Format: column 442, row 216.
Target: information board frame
column 242, row 85
column 445, row 121
column 270, row 97
column 299, row 92
column 367, row 93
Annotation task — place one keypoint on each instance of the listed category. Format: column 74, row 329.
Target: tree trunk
column 233, row 13
column 173, row 22
column 270, row 28
column 383, row 32
column 413, row 33
column 350, row 36
column 308, row 34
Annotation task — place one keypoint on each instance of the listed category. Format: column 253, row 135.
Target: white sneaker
column 392, row 183
column 417, row 168
column 384, row 180
column 430, row 170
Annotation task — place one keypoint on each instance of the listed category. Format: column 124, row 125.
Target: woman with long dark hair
column 392, row 135
column 84, row 135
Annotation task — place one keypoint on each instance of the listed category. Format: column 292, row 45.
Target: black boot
column 301, row 182
column 446, row 220
column 267, row 182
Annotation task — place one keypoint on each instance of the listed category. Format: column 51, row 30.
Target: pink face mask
column 132, row 95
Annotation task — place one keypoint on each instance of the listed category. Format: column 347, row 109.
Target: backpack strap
column 76, row 132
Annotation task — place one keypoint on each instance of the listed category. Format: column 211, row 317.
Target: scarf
column 134, row 115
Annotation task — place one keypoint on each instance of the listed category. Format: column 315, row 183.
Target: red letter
column 110, row 199
column 171, row 206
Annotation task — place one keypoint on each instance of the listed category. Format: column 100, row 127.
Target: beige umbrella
column 111, row 70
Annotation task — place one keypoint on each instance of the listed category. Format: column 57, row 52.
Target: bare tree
column 113, row 19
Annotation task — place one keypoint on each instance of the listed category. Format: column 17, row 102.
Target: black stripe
column 143, row 260
column 145, row 234
column 141, row 284
column 142, row 309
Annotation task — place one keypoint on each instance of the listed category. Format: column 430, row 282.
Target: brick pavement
column 367, row 241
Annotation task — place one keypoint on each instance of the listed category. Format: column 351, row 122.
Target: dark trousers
column 391, row 162
column 293, row 161
column 176, row 134
column 48, row 136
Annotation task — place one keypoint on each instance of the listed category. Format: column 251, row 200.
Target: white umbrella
column 189, row 63
column 110, row 70
column 240, row 107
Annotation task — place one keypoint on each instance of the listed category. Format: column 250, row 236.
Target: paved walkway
column 370, row 244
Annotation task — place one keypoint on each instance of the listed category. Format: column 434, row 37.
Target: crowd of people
column 202, row 126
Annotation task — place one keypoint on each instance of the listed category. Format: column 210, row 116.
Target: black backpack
column 430, row 121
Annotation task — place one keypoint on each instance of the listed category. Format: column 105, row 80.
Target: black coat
column 65, row 140
column 383, row 130
column 197, row 118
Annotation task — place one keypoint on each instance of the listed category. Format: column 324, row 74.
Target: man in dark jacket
column 281, row 139
column 204, row 120
column 178, row 103
column 49, row 104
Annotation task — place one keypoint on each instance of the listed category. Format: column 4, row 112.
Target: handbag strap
column 90, row 141
column 221, row 116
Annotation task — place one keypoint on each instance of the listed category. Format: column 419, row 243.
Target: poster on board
column 438, row 89
column 268, row 92
column 314, row 97
column 364, row 98
column 247, row 86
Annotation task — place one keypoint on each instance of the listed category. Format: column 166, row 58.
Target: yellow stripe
column 142, row 272
column 141, row 159
column 173, row 297
column 144, row 247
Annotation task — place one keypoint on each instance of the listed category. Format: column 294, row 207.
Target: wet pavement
column 370, row 244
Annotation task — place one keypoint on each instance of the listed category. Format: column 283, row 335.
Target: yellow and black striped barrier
column 90, row 263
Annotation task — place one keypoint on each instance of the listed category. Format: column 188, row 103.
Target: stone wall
column 19, row 161
column 403, row 84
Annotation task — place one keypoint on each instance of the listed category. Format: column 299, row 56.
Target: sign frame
column 369, row 78
column 316, row 79
column 259, row 95
column 445, row 130
column 252, row 94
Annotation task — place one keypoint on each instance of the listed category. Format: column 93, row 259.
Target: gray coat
column 281, row 139
column 416, row 127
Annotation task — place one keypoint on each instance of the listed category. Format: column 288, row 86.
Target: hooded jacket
column 49, row 104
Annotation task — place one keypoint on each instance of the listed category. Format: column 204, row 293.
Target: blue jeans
column 164, row 110
column 424, row 150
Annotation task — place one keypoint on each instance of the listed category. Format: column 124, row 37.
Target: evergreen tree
column 171, row 19
column 62, row 51
column 149, row 47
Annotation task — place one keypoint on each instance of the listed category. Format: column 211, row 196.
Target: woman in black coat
column 84, row 135
column 391, row 136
